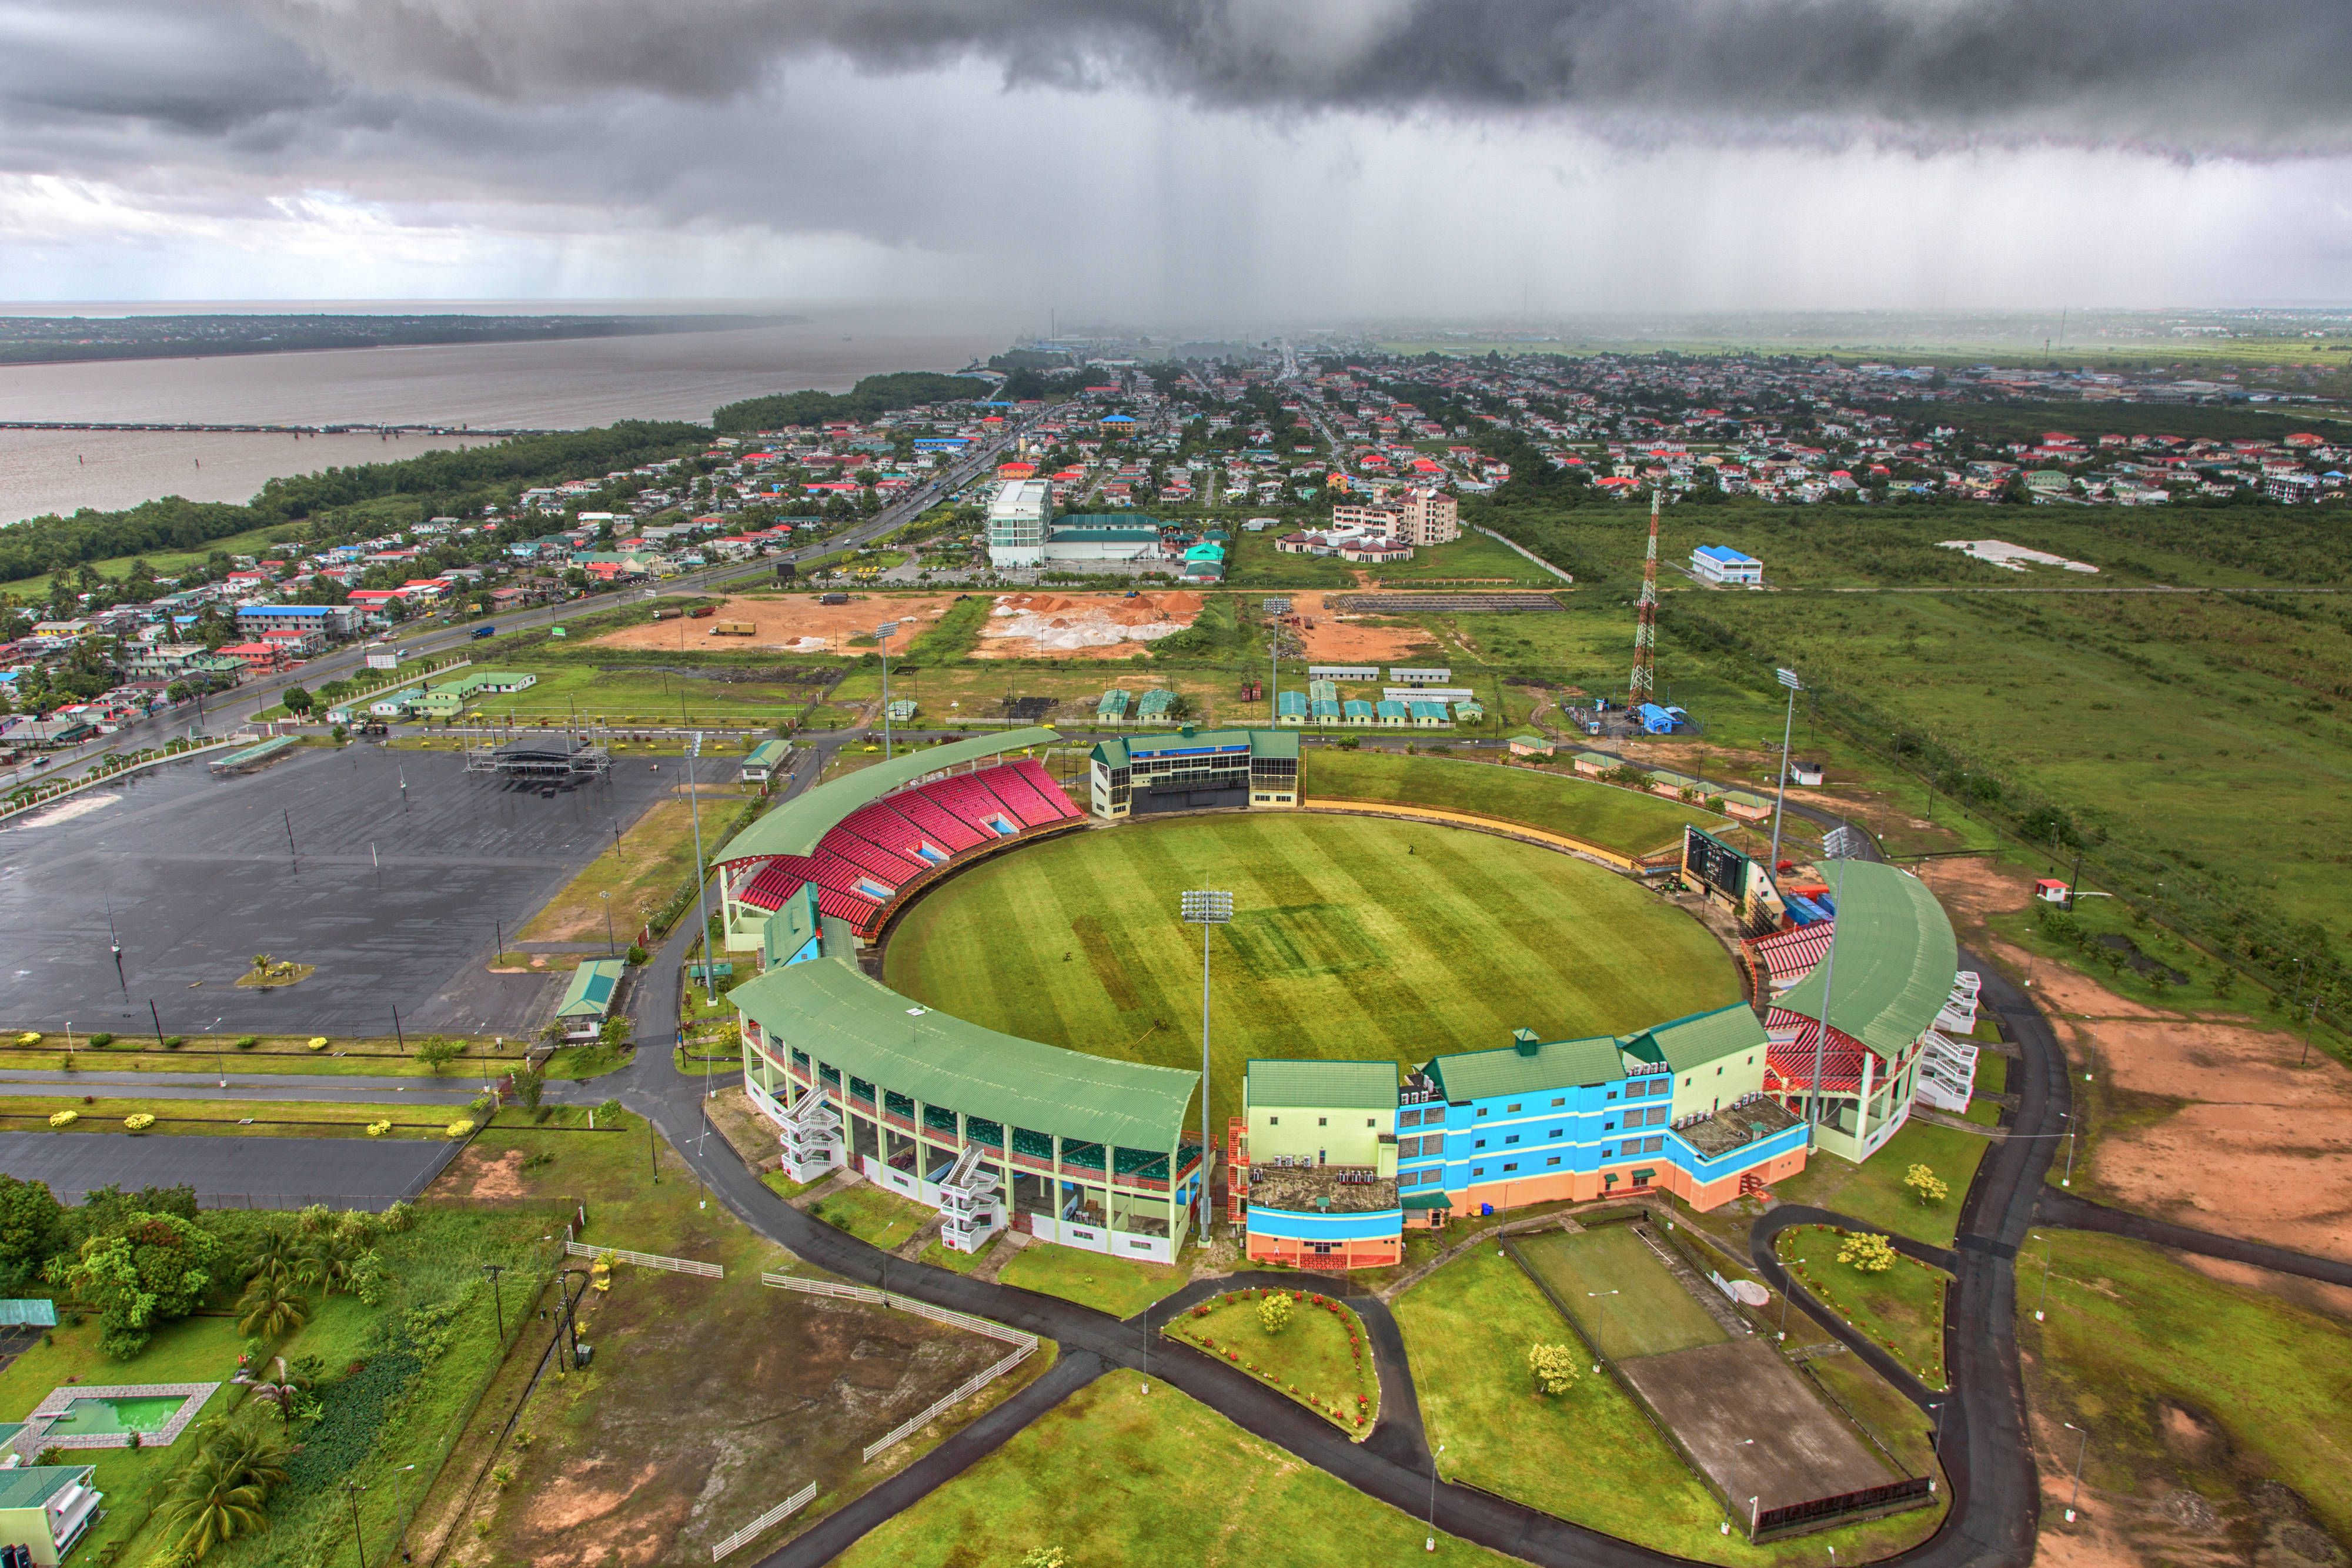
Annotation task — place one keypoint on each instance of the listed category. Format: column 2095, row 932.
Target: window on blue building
column 1553, row 1161
column 1478, row 1170
column 1509, row 1140
column 1479, row 1145
column 1512, row 1167
column 1556, row 1132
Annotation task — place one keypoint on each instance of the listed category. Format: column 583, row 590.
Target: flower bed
column 1902, row 1307
column 1322, row 1358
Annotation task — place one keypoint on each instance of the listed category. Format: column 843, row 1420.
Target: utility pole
column 1645, row 682
column 1780, row 789
column 496, row 1299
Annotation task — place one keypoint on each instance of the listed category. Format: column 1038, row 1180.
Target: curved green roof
column 794, row 827
column 1892, row 960
column 837, row 1014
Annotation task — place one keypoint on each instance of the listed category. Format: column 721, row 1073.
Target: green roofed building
column 763, row 760
column 45, row 1509
column 1153, row 708
column 449, row 699
column 1193, row 769
column 588, row 1000
column 1078, row 1149
column 1112, row 709
column 1890, row 968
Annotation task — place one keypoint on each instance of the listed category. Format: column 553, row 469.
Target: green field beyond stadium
column 1351, row 937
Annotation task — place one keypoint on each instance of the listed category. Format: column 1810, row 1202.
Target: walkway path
column 2063, row 1208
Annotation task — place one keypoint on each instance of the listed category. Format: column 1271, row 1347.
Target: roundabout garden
column 1310, row 1347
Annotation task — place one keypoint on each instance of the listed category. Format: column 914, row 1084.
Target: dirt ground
column 1339, row 640
column 710, row 1402
column 472, row 1175
column 795, row 623
column 1082, row 625
column 2253, row 1144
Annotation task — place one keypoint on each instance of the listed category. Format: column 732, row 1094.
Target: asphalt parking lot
column 230, row 1172
column 395, row 894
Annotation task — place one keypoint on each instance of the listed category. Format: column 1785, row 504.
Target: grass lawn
column 1130, row 1471
column 1559, row 803
column 709, row 1399
column 1618, row 1292
column 1874, row 1190
column 195, row 1350
column 2184, row 1381
column 1351, row 939
column 385, row 1057
column 940, row 1256
column 1321, row 1357
column 1107, row 1284
column 229, row 1118
column 1467, row 1329
column 654, row 859
column 875, row 1216
column 1902, row 1308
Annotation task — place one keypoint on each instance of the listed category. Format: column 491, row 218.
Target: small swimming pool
column 111, row 1415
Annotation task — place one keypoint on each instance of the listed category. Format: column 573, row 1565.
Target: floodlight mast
column 882, row 635
column 1780, row 792
column 701, row 871
column 1204, row 909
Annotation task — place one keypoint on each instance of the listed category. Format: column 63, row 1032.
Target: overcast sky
column 1195, row 162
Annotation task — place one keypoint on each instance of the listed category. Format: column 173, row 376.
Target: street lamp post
column 1600, row 1354
column 496, row 1298
column 352, row 1490
column 1205, row 909
column 2068, row 1179
column 2048, row 1246
column 607, row 896
column 2075, row 1499
column 882, row 634
column 400, row 1541
column 1780, row 790
column 1431, row 1544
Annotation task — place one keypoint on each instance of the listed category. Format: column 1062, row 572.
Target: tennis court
column 1618, row 1292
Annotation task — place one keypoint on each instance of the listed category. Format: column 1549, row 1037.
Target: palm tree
column 273, row 1256
column 271, row 1306
column 327, row 1263
column 262, row 964
column 280, row 1393
column 223, row 1492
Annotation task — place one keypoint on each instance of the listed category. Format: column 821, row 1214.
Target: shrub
column 1274, row 1312
column 247, row 1041
column 1927, row 1185
column 64, row 1118
column 1867, row 1252
column 138, row 1121
column 101, row 1040
column 173, row 1042
column 1553, row 1366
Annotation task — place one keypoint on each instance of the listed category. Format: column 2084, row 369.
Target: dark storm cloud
column 2190, row 75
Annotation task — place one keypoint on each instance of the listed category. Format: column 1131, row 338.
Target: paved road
column 2063, row 1208
column 231, row 1173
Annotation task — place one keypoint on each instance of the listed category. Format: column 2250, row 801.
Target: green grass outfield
column 1647, row 1311
column 1620, row 820
column 1351, row 937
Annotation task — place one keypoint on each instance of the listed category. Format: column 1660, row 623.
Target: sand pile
column 1027, row 624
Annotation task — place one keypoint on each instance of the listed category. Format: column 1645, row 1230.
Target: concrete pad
column 1753, row 1425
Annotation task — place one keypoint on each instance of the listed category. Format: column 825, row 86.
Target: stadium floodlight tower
column 701, row 871
column 1780, row 794
column 1205, row 910
column 882, row 636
